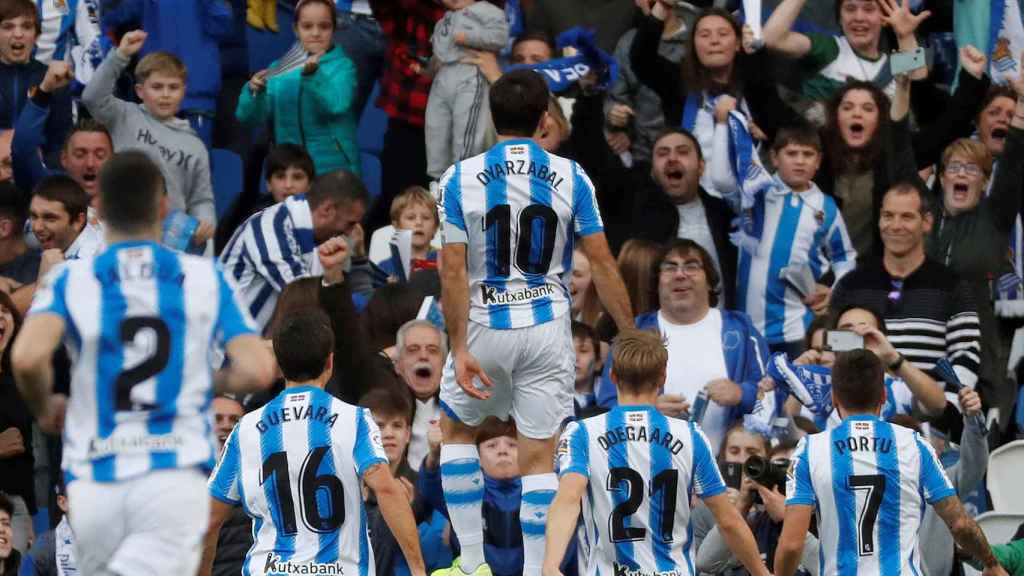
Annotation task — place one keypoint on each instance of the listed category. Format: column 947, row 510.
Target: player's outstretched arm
column 562, row 515
column 219, row 513
column 967, row 534
column 791, row 542
column 605, row 271
column 394, row 506
column 31, row 358
column 736, row 533
column 252, row 366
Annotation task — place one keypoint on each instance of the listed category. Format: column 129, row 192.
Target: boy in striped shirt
column 801, row 235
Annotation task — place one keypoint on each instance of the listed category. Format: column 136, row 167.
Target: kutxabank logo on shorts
column 492, row 295
column 276, row 566
column 623, row 570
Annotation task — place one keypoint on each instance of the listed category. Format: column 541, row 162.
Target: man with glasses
column 929, row 312
column 714, row 352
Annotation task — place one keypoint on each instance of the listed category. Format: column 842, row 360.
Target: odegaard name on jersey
column 629, row 433
column 500, row 170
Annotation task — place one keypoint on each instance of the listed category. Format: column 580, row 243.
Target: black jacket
column 16, row 472
column 233, row 544
column 654, row 217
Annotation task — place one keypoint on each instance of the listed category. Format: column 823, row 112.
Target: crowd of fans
column 762, row 191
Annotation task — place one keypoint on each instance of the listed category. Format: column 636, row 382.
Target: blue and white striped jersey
column 139, row 323
column 518, row 209
column 271, row 249
column 804, row 229
column 868, row 481
column 296, row 467
column 642, row 467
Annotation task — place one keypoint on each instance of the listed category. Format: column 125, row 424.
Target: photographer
column 763, row 502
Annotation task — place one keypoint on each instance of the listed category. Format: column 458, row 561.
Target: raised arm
column 1005, row 197
column 98, row 95
column 778, row 31
column 970, row 470
column 904, row 24
column 655, row 71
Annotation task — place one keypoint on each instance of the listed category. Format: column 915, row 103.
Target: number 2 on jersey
column 148, row 368
column 874, row 485
column 311, row 485
column 534, row 220
column 665, row 482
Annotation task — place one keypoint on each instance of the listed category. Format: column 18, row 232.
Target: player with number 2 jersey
column 139, row 321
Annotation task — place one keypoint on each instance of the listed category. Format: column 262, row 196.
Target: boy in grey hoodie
column 153, row 127
column 457, row 110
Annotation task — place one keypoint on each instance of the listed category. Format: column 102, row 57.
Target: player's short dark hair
column 64, row 189
column 857, row 380
column 389, row 402
column 87, row 125
column 802, row 134
column 341, row 187
column 302, row 344
column 6, row 505
column 13, row 205
column 131, row 187
column 288, row 155
column 688, row 246
column 518, row 102
column 639, row 359
column 492, row 428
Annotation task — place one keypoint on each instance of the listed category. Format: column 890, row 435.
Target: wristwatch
column 895, row 366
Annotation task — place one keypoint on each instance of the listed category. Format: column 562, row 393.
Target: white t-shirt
column 695, row 357
column 426, row 410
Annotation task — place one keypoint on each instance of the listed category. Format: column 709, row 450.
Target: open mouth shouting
column 961, row 193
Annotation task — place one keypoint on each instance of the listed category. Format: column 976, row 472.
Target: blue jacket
column 15, row 81
column 503, row 536
column 189, row 29
column 745, row 357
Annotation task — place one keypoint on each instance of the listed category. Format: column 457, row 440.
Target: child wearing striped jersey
column 799, row 230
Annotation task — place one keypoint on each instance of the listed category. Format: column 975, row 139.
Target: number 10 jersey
column 296, row 465
column 139, row 324
column 518, row 210
column 642, row 468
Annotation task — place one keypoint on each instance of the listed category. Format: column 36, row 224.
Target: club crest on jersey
column 275, row 565
column 623, row 570
column 492, row 295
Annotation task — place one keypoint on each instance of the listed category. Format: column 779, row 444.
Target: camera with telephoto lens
column 766, row 472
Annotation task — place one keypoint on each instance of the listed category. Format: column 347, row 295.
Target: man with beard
column 422, row 348
column 673, row 205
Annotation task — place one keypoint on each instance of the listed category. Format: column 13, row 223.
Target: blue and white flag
column 753, row 179
column 562, row 74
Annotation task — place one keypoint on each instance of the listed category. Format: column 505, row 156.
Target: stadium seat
column 226, row 174
column 370, row 165
column 372, row 125
column 1004, row 466
column 998, row 529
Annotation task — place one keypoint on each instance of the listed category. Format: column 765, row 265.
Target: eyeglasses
column 968, row 168
column 690, row 267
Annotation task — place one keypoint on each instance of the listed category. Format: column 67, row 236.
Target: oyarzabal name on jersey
column 639, row 434
column 492, row 295
column 622, row 570
column 143, row 443
column 520, row 168
column 275, row 565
